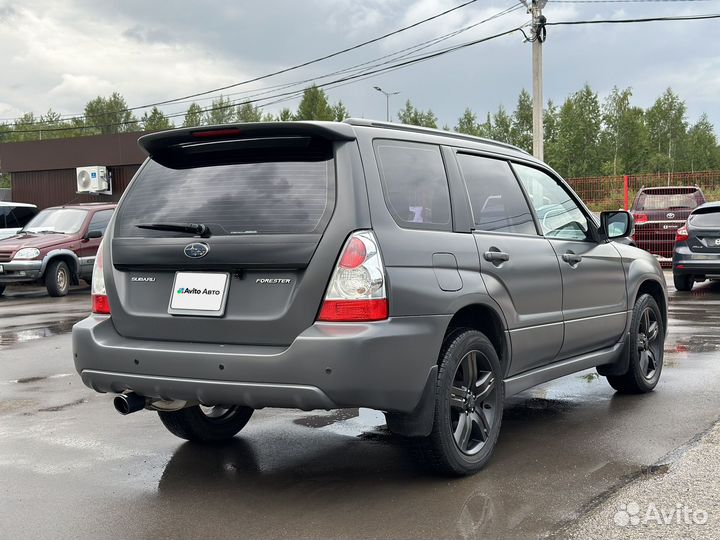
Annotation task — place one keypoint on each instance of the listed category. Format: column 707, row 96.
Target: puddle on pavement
column 58, row 408
column 22, row 335
column 365, row 423
column 536, row 406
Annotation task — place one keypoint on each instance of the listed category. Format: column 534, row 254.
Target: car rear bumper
column 383, row 365
column 691, row 263
column 16, row 271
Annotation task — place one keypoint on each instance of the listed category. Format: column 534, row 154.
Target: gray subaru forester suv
column 317, row 265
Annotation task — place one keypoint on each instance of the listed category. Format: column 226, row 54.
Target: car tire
column 206, row 424
column 468, row 406
column 2, row 289
column 683, row 283
column 645, row 345
column 57, row 278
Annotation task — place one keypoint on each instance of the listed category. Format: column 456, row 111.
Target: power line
column 620, row 1
column 639, row 20
column 306, row 63
column 398, row 65
column 269, row 90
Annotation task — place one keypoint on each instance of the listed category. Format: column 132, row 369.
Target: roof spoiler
column 157, row 143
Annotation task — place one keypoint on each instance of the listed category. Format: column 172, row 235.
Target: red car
column 658, row 213
column 56, row 248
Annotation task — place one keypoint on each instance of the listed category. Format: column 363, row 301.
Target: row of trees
column 583, row 137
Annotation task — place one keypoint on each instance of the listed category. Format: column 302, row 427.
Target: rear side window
column 498, row 204
column 415, row 184
column 706, row 217
column 283, row 197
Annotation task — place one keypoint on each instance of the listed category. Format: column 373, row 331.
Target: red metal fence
column 660, row 212
column 602, row 193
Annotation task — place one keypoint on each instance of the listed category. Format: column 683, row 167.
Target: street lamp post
column 387, row 100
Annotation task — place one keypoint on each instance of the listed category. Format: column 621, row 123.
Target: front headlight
column 27, row 253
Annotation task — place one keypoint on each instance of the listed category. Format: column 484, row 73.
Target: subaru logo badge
column 196, row 251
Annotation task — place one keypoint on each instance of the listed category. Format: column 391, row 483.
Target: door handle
column 496, row 256
column 571, row 258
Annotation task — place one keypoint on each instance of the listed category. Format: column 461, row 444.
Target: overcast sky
column 59, row 54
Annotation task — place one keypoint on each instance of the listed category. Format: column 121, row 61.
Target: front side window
column 100, row 220
column 415, row 184
column 498, row 204
column 557, row 212
column 57, row 220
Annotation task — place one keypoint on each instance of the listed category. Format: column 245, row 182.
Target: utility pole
column 535, row 8
column 387, row 100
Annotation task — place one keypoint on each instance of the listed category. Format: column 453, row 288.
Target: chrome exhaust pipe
column 129, row 403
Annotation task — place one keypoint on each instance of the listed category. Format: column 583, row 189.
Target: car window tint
column 707, row 217
column 415, row 184
column 100, row 220
column 497, row 201
column 557, row 213
column 651, row 201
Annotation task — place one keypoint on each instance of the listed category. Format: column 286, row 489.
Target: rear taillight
column 640, row 218
column 98, row 293
column 357, row 288
column 681, row 234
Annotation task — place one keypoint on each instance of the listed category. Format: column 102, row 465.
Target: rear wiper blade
column 193, row 228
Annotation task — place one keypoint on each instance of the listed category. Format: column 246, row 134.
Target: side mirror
column 93, row 234
column 618, row 224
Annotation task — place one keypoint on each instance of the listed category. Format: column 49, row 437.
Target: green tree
column 579, row 134
column 467, row 123
column 314, row 105
column 193, row 116
column 247, row 112
column 109, row 115
column 522, row 123
column 551, row 123
column 667, row 133
column 156, row 120
column 703, row 146
column 502, row 126
column 417, row 117
column 623, row 141
column 285, row 115
column 340, row 112
column 221, row 111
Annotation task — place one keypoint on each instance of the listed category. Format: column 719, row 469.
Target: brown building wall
column 58, row 187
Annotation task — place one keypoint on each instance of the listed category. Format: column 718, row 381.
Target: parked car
column 326, row 265
column 56, row 248
column 658, row 213
column 697, row 247
column 14, row 216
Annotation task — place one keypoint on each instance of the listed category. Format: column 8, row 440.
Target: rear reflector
column 354, row 310
column 100, row 304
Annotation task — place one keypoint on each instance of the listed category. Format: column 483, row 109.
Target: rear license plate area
column 199, row 293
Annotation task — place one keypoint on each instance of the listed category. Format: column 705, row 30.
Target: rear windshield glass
column 240, row 199
column 652, row 201
column 709, row 217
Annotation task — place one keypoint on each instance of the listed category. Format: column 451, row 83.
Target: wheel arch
column 485, row 319
column 66, row 256
column 657, row 291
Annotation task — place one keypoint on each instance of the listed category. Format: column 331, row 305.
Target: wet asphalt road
column 71, row 467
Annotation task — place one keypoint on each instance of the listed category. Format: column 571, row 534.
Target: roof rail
column 429, row 131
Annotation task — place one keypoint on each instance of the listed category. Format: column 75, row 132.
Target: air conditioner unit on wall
column 93, row 179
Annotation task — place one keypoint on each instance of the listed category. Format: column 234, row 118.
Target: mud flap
column 419, row 422
column 621, row 365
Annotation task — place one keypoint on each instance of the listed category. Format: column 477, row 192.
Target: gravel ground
column 681, row 500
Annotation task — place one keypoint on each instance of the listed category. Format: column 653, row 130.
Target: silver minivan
column 322, row 265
